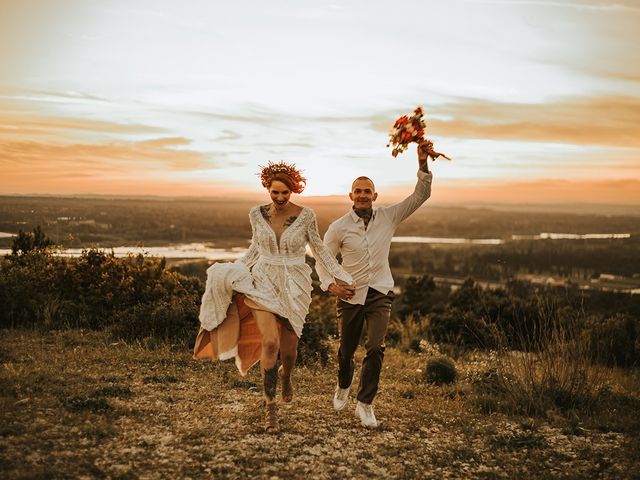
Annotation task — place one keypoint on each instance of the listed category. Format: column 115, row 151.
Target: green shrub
column 170, row 320
column 323, row 310
column 394, row 333
column 406, row 335
column 613, row 340
column 29, row 290
column 464, row 329
column 314, row 343
column 136, row 295
column 29, row 242
column 192, row 268
column 421, row 296
column 553, row 373
column 440, row 370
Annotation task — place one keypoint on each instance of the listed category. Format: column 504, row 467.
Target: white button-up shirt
column 365, row 252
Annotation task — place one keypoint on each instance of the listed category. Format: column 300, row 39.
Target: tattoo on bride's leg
column 270, row 382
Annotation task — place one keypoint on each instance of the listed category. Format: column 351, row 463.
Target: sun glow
column 153, row 97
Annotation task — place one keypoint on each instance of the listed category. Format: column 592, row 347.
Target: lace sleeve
column 251, row 256
column 323, row 255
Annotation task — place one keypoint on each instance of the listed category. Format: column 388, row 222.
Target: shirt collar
column 356, row 218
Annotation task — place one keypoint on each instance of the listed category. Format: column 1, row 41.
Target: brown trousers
column 351, row 318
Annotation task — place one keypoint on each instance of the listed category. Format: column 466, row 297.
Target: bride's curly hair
column 285, row 173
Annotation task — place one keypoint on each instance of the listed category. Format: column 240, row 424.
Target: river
column 202, row 250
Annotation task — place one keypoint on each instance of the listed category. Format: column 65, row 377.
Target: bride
column 255, row 308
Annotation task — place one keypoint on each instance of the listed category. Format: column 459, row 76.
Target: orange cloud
column 83, row 184
column 141, row 168
column 17, row 124
column 619, row 192
column 611, row 121
column 27, row 157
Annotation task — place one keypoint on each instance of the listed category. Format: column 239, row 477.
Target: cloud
column 538, row 192
column 610, row 121
column 622, row 69
column 40, row 125
column 35, row 95
column 87, row 185
column 20, row 117
column 19, row 158
column 261, row 118
column 589, row 6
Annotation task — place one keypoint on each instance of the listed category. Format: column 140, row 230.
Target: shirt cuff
column 324, row 286
column 424, row 176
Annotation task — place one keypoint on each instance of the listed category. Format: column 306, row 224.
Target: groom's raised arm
column 422, row 191
column 406, row 207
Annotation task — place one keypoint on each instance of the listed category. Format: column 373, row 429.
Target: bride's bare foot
column 271, row 423
column 287, row 386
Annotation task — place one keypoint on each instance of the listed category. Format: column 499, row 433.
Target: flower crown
column 272, row 169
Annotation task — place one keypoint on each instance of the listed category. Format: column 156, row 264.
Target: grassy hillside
column 77, row 404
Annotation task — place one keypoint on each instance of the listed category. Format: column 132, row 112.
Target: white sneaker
column 364, row 411
column 340, row 397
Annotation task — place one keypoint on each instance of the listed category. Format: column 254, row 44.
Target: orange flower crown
column 272, row 169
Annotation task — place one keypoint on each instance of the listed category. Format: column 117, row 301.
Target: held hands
column 342, row 290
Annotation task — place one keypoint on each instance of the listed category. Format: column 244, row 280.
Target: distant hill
column 120, row 220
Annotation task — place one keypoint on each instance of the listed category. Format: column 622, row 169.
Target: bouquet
column 408, row 129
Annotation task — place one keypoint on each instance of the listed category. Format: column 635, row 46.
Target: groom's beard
column 365, row 214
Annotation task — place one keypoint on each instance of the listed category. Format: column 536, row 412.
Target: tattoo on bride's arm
column 264, row 210
column 270, row 382
column 290, row 220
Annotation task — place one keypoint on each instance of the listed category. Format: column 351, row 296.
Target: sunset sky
column 536, row 101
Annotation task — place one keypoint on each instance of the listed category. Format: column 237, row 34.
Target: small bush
column 407, row 334
column 192, row 268
column 488, row 382
column 554, row 373
column 170, row 320
column 613, row 341
column 29, row 289
column 463, row 328
column 440, row 370
column 323, row 310
column 394, row 333
column 29, row 242
column 420, row 296
column 136, row 296
column 314, row 343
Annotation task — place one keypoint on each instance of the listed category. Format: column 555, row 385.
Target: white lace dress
column 276, row 277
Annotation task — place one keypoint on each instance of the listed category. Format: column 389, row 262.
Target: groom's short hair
column 363, row 178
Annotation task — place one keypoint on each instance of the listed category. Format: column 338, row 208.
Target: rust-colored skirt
column 237, row 336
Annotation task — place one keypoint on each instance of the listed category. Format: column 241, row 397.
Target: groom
column 363, row 238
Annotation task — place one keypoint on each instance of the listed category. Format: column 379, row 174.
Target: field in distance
column 115, row 221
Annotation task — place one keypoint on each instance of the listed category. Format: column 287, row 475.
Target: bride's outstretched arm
column 325, row 259
column 251, row 256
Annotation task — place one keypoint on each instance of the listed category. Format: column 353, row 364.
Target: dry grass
column 76, row 405
column 409, row 332
column 556, row 372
